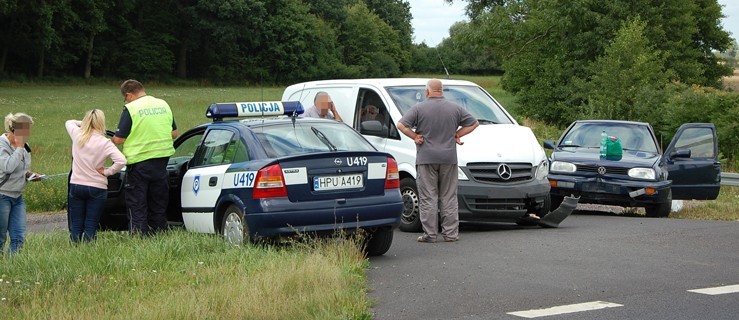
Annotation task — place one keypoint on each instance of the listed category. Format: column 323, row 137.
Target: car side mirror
column 550, row 144
column 680, row 153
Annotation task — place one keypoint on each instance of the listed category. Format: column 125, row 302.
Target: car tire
column 379, row 242
column 661, row 210
column 555, row 201
column 410, row 220
column 546, row 207
column 234, row 229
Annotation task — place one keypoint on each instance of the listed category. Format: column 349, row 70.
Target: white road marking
column 571, row 308
column 717, row 290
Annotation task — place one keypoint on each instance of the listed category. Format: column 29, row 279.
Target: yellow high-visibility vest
column 151, row 130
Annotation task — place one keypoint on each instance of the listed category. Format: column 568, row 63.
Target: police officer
column 146, row 130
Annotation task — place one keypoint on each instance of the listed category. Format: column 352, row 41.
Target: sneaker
column 425, row 239
column 451, row 239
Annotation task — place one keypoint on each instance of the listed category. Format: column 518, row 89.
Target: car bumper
column 499, row 202
column 610, row 191
column 284, row 217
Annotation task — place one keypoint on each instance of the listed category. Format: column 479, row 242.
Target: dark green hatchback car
column 642, row 175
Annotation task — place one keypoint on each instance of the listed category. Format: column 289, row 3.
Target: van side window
column 372, row 117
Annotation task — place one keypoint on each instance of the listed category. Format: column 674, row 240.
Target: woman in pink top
column 88, row 185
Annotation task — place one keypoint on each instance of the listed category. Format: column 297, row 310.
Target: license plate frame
column 338, row 182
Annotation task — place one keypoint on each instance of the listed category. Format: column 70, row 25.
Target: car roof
column 382, row 82
column 266, row 121
column 613, row 121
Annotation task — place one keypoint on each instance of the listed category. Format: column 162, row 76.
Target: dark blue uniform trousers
column 147, row 196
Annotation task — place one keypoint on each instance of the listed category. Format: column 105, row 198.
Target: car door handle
column 213, row 181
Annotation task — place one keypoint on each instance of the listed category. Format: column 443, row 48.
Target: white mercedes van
column 502, row 168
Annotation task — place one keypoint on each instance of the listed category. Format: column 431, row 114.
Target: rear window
column 309, row 137
column 474, row 99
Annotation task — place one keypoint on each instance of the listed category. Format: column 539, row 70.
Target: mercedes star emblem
column 601, row 170
column 504, row 171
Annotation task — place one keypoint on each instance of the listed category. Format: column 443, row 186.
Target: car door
column 695, row 174
column 377, row 129
column 201, row 184
column 185, row 147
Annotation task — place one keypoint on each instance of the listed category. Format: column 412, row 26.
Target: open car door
column 692, row 162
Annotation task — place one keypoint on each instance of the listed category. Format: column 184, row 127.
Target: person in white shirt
column 323, row 107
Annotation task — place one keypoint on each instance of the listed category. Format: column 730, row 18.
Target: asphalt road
column 639, row 268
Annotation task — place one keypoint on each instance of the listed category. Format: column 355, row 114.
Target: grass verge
column 723, row 208
column 180, row 275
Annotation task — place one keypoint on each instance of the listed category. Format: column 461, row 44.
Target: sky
column 432, row 18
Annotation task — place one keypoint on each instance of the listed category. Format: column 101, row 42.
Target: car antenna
column 261, row 86
column 442, row 62
column 300, row 99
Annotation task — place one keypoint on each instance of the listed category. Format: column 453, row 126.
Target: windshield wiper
column 569, row 146
column 323, row 138
column 486, row 121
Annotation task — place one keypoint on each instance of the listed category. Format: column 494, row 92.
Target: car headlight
column 461, row 175
column 642, row 173
column 542, row 170
column 559, row 166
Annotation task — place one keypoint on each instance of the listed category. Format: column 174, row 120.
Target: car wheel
column 546, row 207
column 410, row 221
column 234, row 228
column 379, row 242
column 555, row 201
column 661, row 210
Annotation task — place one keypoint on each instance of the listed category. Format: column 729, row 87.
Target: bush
column 704, row 104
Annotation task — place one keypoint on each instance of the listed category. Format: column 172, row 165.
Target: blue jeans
column 12, row 222
column 85, row 208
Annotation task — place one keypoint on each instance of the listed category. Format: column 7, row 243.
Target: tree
column 91, row 18
column 397, row 14
column 628, row 80
column 548, row 45
column 371, row 46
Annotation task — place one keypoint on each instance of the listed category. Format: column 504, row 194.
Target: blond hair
column 11, row 119
column 93, row 122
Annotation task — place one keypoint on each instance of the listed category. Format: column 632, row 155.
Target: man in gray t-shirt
column 437, row 121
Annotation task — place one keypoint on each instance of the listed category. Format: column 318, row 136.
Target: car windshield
column 636, row 137
column 309, row 137
column 474, row 99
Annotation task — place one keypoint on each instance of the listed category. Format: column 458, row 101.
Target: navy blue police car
column 271, row 173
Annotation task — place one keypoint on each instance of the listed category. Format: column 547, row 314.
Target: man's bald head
column 434, row 88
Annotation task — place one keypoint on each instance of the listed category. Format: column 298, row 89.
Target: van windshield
column 472, row 98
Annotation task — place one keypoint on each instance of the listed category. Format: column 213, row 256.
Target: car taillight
column 269, row 183
column 392, row 179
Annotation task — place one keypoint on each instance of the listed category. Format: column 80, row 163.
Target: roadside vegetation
column 182, row 275
column 51, row 105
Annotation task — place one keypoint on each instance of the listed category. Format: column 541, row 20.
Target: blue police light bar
column 254, row 109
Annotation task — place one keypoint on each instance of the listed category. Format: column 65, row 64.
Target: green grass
column 723, row 208
column 182, row 275
column 51, row 105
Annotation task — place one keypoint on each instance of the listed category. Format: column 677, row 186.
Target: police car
column 274, row 174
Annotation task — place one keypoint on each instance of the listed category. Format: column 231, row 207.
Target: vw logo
column 504, row 171
column 337, row 161
column 601, row 170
